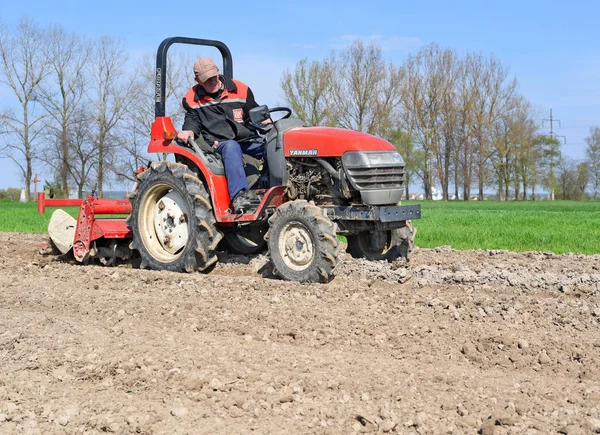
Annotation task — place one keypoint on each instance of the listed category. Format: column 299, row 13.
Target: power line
column 552, row 121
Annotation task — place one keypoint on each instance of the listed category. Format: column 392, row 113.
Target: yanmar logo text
column 303, row 153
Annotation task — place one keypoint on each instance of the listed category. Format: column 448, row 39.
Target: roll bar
column 161, row 66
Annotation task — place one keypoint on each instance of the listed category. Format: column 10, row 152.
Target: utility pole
column 553, row 152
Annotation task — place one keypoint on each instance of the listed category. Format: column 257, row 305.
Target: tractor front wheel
column 302, row 243
column 172, row 221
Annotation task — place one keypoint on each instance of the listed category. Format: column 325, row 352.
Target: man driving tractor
column 216, row 109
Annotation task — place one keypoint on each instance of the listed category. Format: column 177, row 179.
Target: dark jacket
column 223, row 117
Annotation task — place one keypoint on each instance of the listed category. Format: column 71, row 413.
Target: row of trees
column 82, row 111
column 458, row 120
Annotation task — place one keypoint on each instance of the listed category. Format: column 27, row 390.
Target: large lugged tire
column 302, row 243
column 172, row 221
column 383, row 245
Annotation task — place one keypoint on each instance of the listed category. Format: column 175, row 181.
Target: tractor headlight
column 369, row 159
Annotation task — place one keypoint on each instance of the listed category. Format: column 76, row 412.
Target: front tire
column 302, row 243
column 172, row 221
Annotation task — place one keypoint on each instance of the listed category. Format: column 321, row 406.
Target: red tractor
column 314, row 184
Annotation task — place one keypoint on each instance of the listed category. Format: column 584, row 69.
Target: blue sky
column 552, row 48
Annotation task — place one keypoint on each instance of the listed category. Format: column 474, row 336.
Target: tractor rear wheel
column 383, row 245
column 302, row 243
column 172, row 221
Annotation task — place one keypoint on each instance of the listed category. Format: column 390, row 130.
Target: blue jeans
column 234, row 167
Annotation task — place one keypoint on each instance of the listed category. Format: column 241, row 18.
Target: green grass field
column 558, row 226
column 24, row 218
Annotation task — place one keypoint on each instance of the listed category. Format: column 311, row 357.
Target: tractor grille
column 376, row 178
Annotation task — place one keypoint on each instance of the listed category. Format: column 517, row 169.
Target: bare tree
column 23, row 67
column 511, row 133
column 308, row 91
column 355, row 89
column 583, row 179
column 494, row 90
column 527, row 154
column 83, row 154
column 566, row 178
column 502, row 158
column 61, row 96
column 592, row 152
column 366, row 90
column 463, row 152
column 422, row 92
column 448, row 119
column 109, row 94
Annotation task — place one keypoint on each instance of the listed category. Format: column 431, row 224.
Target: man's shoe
column 241, row 202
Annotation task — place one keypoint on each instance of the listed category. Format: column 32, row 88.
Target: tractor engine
column 318, row 180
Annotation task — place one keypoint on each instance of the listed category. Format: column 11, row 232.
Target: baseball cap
column 205, row 68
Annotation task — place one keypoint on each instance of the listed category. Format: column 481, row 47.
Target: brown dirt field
column 488, row 342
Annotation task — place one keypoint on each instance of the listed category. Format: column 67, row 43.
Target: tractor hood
column 329, row 142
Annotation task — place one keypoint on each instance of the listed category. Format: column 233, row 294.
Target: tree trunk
column 64, row 167
column 99, row 190
column 28, row 155
column 427, row 181
column 480, row 183
column 456, row 184
column 446, row 180
column 466, row 179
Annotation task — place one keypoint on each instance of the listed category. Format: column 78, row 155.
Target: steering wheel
column 282, row 109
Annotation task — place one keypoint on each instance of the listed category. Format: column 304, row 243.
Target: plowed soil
column 488, row 342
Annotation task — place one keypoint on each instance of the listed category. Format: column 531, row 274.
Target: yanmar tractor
column 314, row 184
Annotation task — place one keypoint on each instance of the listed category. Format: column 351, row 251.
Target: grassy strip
column 557, row 226
column 24, row 217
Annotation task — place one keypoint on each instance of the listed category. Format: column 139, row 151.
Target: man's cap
column 205, row 68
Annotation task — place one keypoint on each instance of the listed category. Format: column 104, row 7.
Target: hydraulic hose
column 335, row 174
